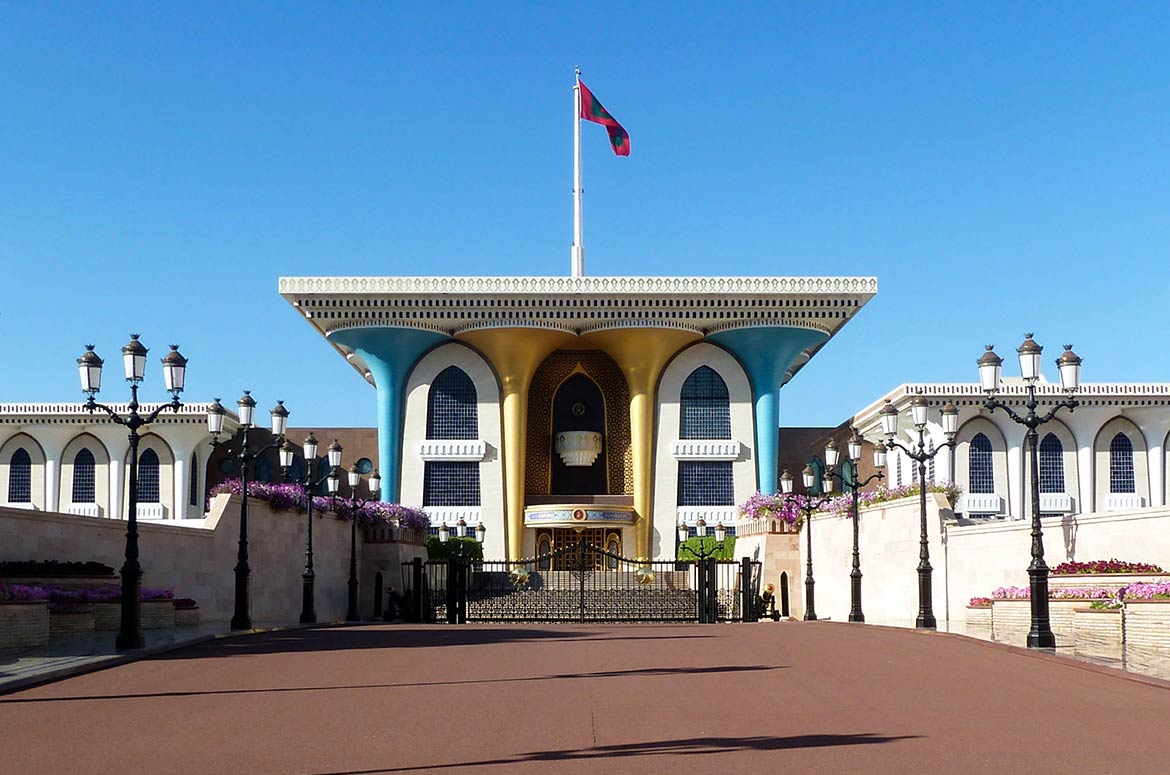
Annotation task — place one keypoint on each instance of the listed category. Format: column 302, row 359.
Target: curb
column 116, row 660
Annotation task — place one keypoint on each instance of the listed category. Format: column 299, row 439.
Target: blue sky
column 1001, row 169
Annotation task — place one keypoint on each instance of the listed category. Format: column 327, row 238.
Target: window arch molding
column 968, row 431
column 1070, row 458
column 36, row 455
column 166, row 473
column 101, row 461
column 1101, row 460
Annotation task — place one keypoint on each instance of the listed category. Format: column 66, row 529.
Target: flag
column 591, row 110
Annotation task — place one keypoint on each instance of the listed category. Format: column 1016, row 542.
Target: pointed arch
column 85, row 491
column 981, row 467
column 163, row 504
column 1051, row 464
column 704, row 406
column 452, row 406
column 1122, row 468
column 22, row 477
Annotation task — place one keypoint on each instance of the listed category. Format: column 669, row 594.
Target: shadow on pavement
column 651, row 671
column 695, row 746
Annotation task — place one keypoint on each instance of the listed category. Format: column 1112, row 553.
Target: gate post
column 581, row 572
column 747, row 605
column 416, row 590
column 452, row 568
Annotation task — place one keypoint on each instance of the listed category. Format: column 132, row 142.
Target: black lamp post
column 809, row 507
column 355, row 505
column 307, row 481
column 950, row 420
column 241, row 616
column 1040, row 635
column 703, row 552
column 855, row 486
column 174, row 373
column 461, row 531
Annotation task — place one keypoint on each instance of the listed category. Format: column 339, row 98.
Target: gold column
column 515, row 353
column 642, row 354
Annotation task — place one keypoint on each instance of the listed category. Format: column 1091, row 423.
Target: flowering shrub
column 1145, row 591
column 842, row 505
column 1074, row 593
column 1105, row 566
column 53, row 568
column 22, row 592
column 980, row 602
column 292, row 497
column 782, row 507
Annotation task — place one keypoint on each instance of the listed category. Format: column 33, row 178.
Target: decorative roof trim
column 542, row 285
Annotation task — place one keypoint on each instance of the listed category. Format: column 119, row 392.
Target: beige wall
column 36, row 455
column 196, row 558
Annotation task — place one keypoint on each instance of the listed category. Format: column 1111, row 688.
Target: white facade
column 78, row 461
column 1110, row 454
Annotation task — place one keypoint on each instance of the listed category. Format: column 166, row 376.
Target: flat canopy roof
column 578, row 305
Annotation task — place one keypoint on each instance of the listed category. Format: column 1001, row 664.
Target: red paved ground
column 789, row 697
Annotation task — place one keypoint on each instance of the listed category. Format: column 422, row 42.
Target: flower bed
column 979, row 616
column 292, row 497
column 42, row 568
column 186, row 612
column 784, row 508
column 106, row 603
column 24, row 616
column 70, row 619
column 1111, row 566
column 842, row 505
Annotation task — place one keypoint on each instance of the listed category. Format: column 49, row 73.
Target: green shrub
column 437, row 550
column 693, row 548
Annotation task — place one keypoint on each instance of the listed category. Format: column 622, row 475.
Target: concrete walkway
column 791, row 697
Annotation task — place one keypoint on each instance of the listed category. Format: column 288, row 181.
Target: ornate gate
column 582, row 582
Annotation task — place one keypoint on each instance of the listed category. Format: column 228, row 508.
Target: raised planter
column 23, row 623
column 186, row 617
column 1060, row 616
column 1010, row 618
column 1107, row 580
column 107, row 616
column 63, row 582
column 71, row 621
column 1147, row 625
column 157, row 614
column 1098, row 630
column 979, row 616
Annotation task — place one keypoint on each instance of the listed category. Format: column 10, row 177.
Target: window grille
column 897, row 469
column 84, row 490
column 262, row 471
column 930, row 463
column 913, row 472
column 20, row 477
column 982, row 469
column 705, row 410
column 148, row 477
column 1051, row 464
column 451, row 406
column 1121, row 477
column 447, row 483
column 193, row 486
column 705, row 483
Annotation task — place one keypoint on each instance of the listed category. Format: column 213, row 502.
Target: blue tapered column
column 766, row 352
column 390, row 354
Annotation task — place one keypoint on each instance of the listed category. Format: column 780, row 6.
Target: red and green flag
column 591, row 110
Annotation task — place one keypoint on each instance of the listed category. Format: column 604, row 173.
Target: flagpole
column 578, row 250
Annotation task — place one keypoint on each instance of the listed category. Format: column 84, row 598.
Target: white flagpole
column 578, row 251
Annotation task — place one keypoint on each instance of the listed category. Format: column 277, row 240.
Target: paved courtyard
column 790, row 697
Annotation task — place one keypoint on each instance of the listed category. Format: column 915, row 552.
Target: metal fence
column 581, row 583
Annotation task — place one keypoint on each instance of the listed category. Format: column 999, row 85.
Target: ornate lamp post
column 461, row 531
column 809, row 507
column 701, row 531
column 309, row 577
column 174, row 374
column 241, row 616
column 1040, row 635
column 855, row 486
column 919, row 410
column 355, row 505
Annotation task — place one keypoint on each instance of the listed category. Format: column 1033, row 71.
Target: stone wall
column 196, row 558
column 1147, row 625
column 780, row 555
column 24, row 624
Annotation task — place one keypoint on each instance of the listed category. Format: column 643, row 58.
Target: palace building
column 540, row 406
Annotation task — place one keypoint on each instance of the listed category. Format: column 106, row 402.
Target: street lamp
column 174, row 374
column 702, row 553
column 355, row 505
column 309, row 483
column 246, row 408
column 1040, row 635
column 809, row 507
column 855, row 486
column 461, row 531
column 919, row 409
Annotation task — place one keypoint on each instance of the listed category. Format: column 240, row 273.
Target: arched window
column 20, row 477
column 193, row 485
column 84, row 490
column 323, row 470
column 981, row 469
column 818, row 468
column 148, row 477
column 897, row 469
column 451, row 406
column 1051, row 464
column 705, row 410
column 913, row 472
column 452, row 413
column 1121, row 464
column 263, row 470
column 930, row 463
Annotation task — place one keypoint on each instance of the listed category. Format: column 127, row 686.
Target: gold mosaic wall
column 555, row 369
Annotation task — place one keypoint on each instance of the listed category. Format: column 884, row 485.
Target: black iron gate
column 581, row 583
